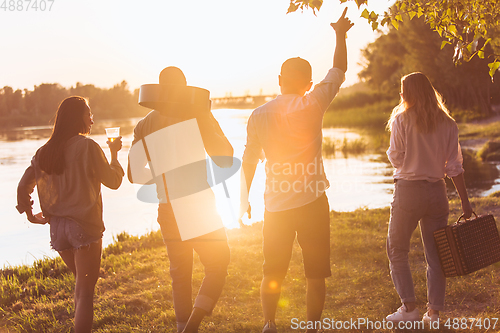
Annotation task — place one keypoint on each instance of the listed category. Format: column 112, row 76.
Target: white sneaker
column 403, row 315
column 427, row 319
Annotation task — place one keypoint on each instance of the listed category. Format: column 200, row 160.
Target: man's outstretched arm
column 341, row 27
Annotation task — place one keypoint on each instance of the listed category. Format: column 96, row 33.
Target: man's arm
column 216, row 144
column 341, row 27
column 137, row 138
column 248, row 170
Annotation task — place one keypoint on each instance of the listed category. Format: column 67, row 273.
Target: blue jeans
column 414, row 201
column 213, row 252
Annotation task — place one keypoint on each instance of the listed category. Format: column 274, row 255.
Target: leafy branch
column 463, row 24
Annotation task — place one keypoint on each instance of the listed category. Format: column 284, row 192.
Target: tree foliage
column 38, row 106
column 415, row 47
column 462, row 23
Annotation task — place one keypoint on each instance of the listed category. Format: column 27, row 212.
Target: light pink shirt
column 288, row 130
column 424, row 156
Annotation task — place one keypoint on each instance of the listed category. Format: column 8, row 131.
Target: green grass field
column 134, row 293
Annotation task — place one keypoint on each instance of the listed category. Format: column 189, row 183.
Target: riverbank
column 133, row 293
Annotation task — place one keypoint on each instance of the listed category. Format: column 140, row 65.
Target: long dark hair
column 69, row 122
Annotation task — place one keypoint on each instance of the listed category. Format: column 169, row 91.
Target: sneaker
column 269, row 327
column 427, row 319
column 403, row 315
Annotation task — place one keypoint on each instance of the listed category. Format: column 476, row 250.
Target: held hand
column 467, row 209
column 249, row 214
column 116, row 145
column 342, row 25
column 37, row 218
column 249, row 211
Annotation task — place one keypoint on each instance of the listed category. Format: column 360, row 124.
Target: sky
column 230, row 47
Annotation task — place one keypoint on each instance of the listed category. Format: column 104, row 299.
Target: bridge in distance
column 241, row 102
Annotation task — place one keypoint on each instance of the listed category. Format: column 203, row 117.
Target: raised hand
column 343, row 24
column 116, row 145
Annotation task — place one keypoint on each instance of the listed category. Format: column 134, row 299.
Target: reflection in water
column 26, row 133
column 42, row 132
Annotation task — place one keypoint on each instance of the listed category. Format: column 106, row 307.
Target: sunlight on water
column 355, row 181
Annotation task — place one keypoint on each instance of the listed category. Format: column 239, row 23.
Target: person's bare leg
column 270, row 290
column 88, row 262
column 315, row 299
column 68, row 256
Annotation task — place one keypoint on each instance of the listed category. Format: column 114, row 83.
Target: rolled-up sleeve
column 396, row 151
column 253, row 148
column 24, row 190
column 454, row 162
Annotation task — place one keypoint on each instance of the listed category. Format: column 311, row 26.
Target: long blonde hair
column 421, row 103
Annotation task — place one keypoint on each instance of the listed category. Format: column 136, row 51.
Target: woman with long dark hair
column 424, row 149
column 68, row 172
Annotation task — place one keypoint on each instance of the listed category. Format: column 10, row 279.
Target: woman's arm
column 109, row 174
column 397, row 147
column 24, row 202
column 459, row 183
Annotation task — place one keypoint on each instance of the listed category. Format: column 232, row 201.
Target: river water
column 355, row 181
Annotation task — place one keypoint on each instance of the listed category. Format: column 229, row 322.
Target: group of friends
column 69, row 169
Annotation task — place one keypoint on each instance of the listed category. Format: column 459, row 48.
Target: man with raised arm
column 287, row 130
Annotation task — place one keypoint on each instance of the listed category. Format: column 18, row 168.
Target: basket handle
column 461, row 216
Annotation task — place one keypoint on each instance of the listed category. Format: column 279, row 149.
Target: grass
column 479, row 131
column 370, row 116
column 133, row 293
column 357, row 146
column 490, row 151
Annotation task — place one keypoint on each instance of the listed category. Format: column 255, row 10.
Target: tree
column 415, row 47
column 461, row 22
column 11, row 102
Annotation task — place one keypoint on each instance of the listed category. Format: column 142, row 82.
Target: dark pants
column 213, row 251
column 311, row 225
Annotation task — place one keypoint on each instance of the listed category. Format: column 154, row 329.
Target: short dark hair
column 297, row 69
column 172, row 75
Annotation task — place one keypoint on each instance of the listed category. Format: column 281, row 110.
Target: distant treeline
column 38, row 106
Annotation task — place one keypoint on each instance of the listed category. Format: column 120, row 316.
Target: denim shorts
column 66, row 234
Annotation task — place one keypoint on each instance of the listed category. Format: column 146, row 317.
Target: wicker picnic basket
column 467, row 246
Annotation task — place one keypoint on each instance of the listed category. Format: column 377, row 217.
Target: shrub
column 490, row 151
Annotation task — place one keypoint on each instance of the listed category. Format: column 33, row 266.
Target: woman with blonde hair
column 424, row 149
column 68, row 172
